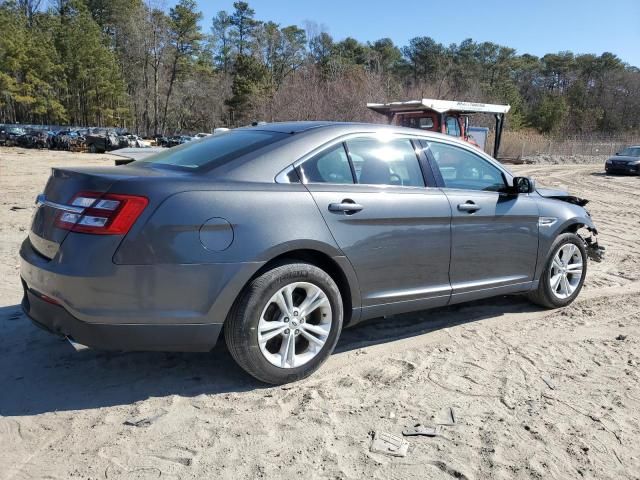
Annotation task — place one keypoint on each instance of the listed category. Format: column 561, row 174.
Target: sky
column 530, row 26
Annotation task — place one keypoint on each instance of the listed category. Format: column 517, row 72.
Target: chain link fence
column 516, row 146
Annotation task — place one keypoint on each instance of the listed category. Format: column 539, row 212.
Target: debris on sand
column 621, row 337
column 420, row 430
column 447, row 417
column 548, row 381
column 143, row 422
column 388, row 444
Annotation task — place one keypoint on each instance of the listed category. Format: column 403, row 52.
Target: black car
column 176, row 140
column 33, row 139
column 626, row 161
column 9, row 135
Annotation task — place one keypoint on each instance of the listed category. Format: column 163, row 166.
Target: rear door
column 394, row 230
column 494, row 242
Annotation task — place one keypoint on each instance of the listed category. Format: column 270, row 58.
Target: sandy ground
column 536, row 394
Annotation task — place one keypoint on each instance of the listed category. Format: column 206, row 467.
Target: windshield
column 214, row 151
column 631, row 152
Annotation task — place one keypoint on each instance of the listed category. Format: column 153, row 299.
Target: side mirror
column 523, row 185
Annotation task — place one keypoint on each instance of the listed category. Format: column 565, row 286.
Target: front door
column 394, row 230
column 494, row 235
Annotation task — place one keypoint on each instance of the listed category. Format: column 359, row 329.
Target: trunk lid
column 63, row 184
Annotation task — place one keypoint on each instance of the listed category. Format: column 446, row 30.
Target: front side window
column 385, row 162
column 329, row 166
column 462, row 169
column 453, row 127
column 214, row 151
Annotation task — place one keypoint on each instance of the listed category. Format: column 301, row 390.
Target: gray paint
column 203, row 236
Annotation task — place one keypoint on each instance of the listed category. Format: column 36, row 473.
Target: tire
column 93, row 148
column 255, row 305
column 545, row 295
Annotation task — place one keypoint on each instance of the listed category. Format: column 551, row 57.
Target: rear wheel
column 285, row 323
column 564, row 273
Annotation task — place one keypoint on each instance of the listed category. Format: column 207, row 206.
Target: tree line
column 129, row 63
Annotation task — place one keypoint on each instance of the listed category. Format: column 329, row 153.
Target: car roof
column 344, row 128
column 289, row 127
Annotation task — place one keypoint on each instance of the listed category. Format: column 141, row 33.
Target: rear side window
column 214, row 151
column 392, row 162
column 329, row 166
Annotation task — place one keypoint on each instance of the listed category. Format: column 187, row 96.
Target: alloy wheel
column 566, row 271
column 295, row 324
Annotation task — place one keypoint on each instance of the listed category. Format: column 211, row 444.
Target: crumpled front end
column 594, row 249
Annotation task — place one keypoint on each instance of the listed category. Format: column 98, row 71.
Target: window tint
column 329, row 166
column 453, row 127
column 391, row 162
column 462, row 169
column 631, row 152
column 215, row 150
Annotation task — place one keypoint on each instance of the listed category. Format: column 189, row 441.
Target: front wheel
column 564, row 273
column 285, row 323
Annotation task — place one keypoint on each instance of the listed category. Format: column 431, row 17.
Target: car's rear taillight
column 106, row 214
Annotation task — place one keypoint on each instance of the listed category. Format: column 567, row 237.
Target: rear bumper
column 128, row 337
column 83, row 295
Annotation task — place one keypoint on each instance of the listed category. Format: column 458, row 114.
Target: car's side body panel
column 265, row 223
column 377, row 239
column 493, row 247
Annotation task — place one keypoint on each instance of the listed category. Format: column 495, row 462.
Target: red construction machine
column 445, row 116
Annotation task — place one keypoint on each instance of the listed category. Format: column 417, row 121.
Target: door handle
column 347, row 206
column 468, row 206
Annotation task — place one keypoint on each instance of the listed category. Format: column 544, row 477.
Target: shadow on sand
column 42, row 373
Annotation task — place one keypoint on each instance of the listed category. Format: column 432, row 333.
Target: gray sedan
column 626, row 161
column 280, row 235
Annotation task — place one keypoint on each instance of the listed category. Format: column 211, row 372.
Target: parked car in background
column 9, row 135
column 625, row 161
column 159, row 140
column 100, row 141
column 63, row 139
column 285, row 233
column 173, row 141
column 138, row 142
column 33, row 138
column 176, row 140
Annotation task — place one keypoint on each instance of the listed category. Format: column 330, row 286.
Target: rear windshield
column 211, row 152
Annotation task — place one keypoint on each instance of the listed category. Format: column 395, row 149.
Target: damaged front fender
column 594, row 250
column 562, row 196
